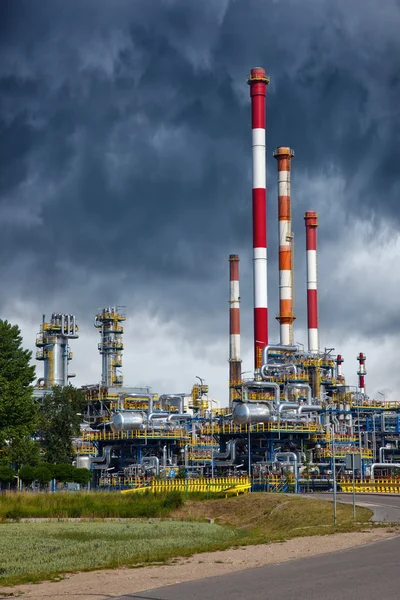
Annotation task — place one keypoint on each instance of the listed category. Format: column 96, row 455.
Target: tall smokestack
column 258, row 82
column 361, row 372
column 339, row 362
column 234, row 326
column 312, row 293
column 284, row 155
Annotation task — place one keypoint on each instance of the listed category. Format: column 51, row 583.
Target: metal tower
column 52, row 342
column 108, row 322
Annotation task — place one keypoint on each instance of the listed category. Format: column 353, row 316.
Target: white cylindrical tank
column 126, row 421
column 83, row 462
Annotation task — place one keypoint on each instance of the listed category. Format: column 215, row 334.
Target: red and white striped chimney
column 361, row 372
column 339, row 362
column 284, row 155
column 312, row 288
column 234, row 326
column 258, row 82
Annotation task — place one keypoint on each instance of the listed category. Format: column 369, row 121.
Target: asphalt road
column 364, row 573
column 386, row 508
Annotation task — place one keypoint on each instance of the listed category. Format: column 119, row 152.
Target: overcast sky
column 125, row 175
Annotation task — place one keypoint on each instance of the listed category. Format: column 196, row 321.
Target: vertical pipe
column 361, row 372
column 312, row 293
column 234, row 326
column 258, row 82
column 284, row 155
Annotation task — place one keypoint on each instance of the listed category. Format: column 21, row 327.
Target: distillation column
column 258, row 82
column 54, row 351
column 284, row 155
column 108, row 322
column 234, row 326
column 361, row 372
column 312, row 293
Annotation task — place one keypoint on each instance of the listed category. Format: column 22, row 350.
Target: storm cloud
column 126, row 171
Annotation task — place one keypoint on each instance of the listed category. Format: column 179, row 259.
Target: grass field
column 33, row 551
column 87, row 505
column 271, row 517
column 37, row 551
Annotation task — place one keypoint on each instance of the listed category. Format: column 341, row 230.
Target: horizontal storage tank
column 251, row 413
column 126, row 421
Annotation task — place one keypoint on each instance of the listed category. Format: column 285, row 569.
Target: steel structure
column 258, row 82
column 284, row 156
column 53, row 349
column 235, row 362
column 108, row 322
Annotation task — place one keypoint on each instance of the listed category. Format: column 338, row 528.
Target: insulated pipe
column 307, row 408
column 382, row 450
column 264, row 385
column 152, row 461
column 148, row 396
column 302, row 386
column 157, row 415
column 179, row 417
column 280, row 347
column 289, row 455
column 312, row 293
column 284, row 155
column 283, row 406
column 102, row 462
column 173, row 397
column 234, row 326
column 361, row 372
column 258, row 82
column 383, row 466
column 264, row 370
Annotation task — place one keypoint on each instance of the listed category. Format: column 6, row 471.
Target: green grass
column 32, row 552
column 87, row 505
column 267, row 518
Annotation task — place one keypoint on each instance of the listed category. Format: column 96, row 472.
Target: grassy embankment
column 36, row 550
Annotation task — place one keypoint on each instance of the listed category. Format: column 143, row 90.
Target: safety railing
column 227, row 485
column 381, row 486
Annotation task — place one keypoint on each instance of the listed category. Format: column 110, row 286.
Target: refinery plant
column 292, row 425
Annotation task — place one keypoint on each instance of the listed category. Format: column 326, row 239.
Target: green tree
column 59, row 422
column 17, row 406
column 7, row 475
column 64, row 473
column 82, row 476
column 42, row 475
column 27, row 474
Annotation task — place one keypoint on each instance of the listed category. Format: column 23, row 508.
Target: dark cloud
column 125, row 143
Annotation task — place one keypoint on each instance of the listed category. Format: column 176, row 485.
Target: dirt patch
column 98, row 585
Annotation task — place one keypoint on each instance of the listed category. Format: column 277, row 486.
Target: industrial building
column 291, row 426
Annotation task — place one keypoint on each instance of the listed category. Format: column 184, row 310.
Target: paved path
column 365, row 573
column 386, row 508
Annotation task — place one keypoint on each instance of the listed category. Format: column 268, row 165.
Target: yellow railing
column 341, row 452
column 381, row 486
column 227, row 485
column 128, row 435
